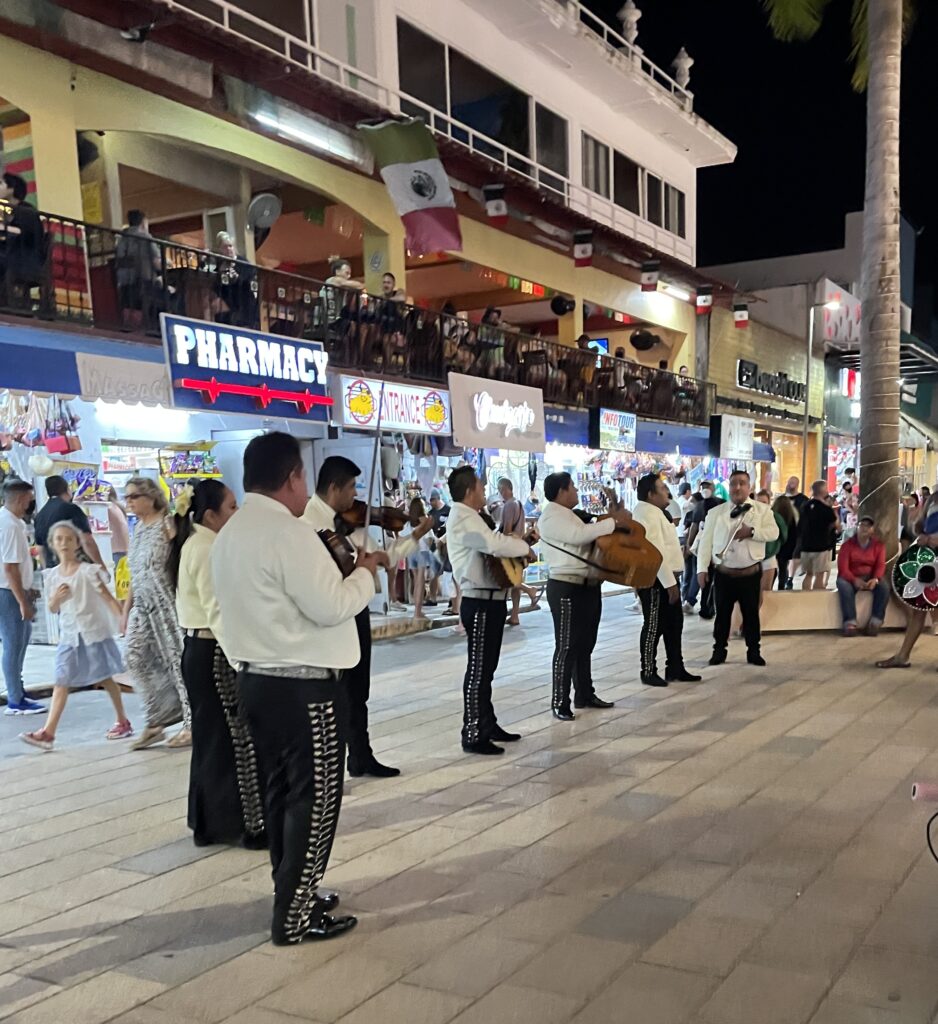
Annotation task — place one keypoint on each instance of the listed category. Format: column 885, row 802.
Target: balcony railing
column 121, row 282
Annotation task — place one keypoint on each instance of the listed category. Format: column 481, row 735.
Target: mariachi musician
column 334, row 498
column 484, row 605
column 574, row 592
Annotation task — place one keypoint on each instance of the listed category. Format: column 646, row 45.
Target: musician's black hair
column 270, row 460
column 461, row 481
column 338, row 470
column 739, row 472
column 555, row 483
column 207, row 496
column 646, row 486
column 135, row 218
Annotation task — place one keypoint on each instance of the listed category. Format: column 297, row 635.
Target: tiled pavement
column 740, row 851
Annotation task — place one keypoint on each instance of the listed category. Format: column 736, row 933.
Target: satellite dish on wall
column 644, row 340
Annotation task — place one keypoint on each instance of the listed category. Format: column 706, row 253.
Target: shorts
column 814, row 562
column 419, row 560
column 769, row 564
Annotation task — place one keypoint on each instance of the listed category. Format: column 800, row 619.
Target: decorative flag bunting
column 410, row 166
column 704, row 301
column 650, row 273
column 583, row 248
column 495, row 206
column 740, row 314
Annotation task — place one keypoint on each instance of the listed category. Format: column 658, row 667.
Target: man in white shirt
column 573, row 593
column 661, row 603
column 17, row 597
column 733, row 541
column 288, row 618
column 483, row 608
column 335, row 494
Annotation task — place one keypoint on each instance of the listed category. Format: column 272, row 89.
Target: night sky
column 799, row 126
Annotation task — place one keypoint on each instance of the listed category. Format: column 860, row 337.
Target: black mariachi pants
column 576, row 609
column 484, row 621
column 743, row 590
column 299, row 728
column 357, row 683
column 662, row 619
column 225, row 788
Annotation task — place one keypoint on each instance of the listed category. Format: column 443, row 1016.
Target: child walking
column 87, row 653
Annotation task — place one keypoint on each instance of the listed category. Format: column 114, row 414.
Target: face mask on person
column 706, row 493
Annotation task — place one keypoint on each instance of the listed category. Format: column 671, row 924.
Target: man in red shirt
column 861, row 565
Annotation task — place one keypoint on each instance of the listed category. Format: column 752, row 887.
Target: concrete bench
column 793, row 611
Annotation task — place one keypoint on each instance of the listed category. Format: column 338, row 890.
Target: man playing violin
column 483, row 608
column 733, row 541
column 335, row 496
column 573, row 593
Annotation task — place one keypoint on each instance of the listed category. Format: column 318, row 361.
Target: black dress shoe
column 717, row 658
column 482, row 747
column 564, row 714
column 754, row 658
column 500, row 736
column 327, row 928
column 681, row 676
column 254, row 842
column 594, row 702
column 372, row 767
column 653, row 679
column 328, row 900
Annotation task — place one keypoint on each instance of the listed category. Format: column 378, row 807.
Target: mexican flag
column 410, row 167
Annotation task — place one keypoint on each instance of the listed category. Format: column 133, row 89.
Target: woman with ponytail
column 225, row 797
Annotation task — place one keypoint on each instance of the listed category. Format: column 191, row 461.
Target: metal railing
column 303, row 53
column 122, row 281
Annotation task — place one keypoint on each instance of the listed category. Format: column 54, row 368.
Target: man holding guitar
column 484, row 605
column 573, row 593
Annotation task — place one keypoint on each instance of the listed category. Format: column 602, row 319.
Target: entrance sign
column 234, row 369
column 495, row 414
column 614, row 431
column 410, row 409
column 748, row 375
column 731, row 437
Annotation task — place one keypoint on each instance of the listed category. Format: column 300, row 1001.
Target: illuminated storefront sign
column 614, row 431
column 494, row 414
column 406, row 408
column 748, row 375
column 233, row 369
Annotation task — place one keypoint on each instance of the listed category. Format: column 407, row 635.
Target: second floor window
column 422, row 63
column 674, row 211
column 625, row 183
column 595, row 165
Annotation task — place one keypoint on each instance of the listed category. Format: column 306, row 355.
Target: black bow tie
column 740, row 510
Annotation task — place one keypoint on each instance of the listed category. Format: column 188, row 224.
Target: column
column 58, row 185
column 383, row 252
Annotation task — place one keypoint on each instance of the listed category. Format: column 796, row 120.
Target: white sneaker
column 396, row 606
column 689, row 609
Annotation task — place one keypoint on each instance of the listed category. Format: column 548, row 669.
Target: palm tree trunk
column 880, row 289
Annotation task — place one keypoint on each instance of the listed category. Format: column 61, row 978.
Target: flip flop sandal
column 890, row 663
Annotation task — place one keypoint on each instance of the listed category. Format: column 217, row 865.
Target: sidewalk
column 738, row 851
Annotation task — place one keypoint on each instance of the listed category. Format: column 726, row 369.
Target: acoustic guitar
column 507, row 573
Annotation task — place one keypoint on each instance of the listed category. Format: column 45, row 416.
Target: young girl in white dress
column 87, row 654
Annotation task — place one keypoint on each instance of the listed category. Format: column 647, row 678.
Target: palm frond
column 794, row 19
column 860, row 40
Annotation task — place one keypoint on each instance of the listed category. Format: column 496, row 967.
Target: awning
column 44, row 361
column 915, row 359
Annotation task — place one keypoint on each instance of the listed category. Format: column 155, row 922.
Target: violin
column 391, row 519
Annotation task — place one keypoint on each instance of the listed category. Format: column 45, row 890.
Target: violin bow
column 374, row 461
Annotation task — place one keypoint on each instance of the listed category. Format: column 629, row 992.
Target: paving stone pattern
column 739, row 851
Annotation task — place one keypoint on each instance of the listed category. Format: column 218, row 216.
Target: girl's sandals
column 40, row 738
column 893, row 662
column 183, row 738
column 120, row 731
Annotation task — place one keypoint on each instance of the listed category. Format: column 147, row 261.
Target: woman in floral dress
column 154, row 639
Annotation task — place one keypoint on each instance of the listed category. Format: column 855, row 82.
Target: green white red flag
column 410, row 166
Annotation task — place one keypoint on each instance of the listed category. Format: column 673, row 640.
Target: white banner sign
column 122, row 380
column 406, row 408
column 736, row 438
column 494, row 414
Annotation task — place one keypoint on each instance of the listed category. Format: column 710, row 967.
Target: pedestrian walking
column 154, row 641
column 87, row 654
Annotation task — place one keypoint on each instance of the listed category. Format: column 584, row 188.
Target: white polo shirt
column 14, row 549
